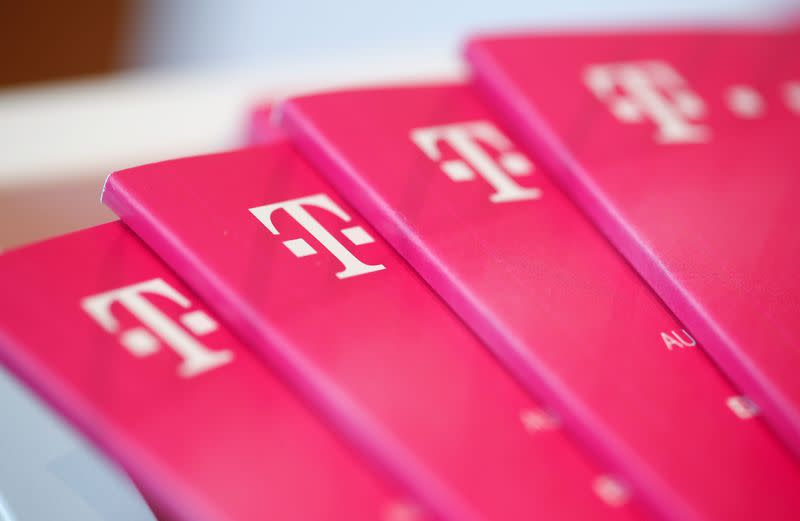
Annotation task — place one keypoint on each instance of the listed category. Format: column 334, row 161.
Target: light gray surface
column 48, row 472
column 5, row 511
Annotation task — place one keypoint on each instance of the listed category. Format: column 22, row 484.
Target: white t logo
column 301, row 248
column 652, row 90
column 140, row 341
column 465, row 139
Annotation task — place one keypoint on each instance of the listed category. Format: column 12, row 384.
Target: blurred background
column 87, row 87
column 91, row 86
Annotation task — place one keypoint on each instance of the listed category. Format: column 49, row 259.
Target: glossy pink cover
column 700, row 196
column 358, row 334
column 550, row 297
column 228, row 443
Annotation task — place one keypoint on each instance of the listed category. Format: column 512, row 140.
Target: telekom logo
column 468, row 140
column 156, row 327
column 654, row 91
column 297, row 210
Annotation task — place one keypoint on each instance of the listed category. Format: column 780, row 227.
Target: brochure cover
column 682, row 148
column 312, row 288
column 107, row 335
column 550, row 297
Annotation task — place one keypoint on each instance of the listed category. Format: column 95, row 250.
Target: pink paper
column 320, row 297
column 681, row 147
column 488, row 231
column 107, row 335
